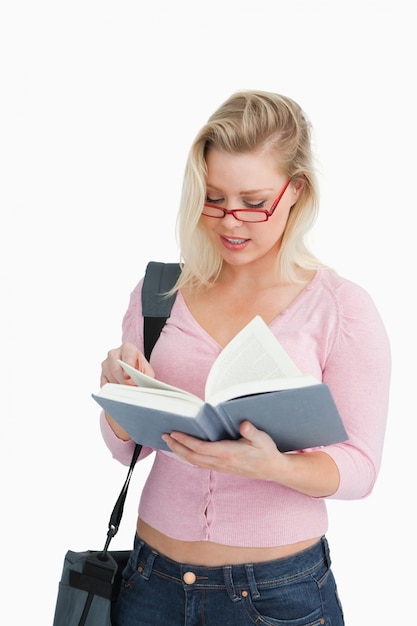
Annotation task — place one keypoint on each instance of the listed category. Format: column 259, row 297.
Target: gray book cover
column 305, row 417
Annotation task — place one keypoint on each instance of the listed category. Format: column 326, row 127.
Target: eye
column 258, row 205
column 214, row 200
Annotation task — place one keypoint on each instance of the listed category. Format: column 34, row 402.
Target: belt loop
column 228, row 581
column 250, row 575
column 326, row 551
column 149, row 564
column 137, row 549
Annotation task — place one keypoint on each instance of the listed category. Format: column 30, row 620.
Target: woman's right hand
column 112, row 372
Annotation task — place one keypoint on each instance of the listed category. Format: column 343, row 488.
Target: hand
column 255, row 455
column 112, row 372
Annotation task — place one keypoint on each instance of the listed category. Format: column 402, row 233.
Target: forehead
column 246, row 169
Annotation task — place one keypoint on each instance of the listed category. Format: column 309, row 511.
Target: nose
column 231, row 220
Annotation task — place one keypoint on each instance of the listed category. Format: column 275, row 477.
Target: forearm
column 118, row 430
column 121, row 449
column 312, row 473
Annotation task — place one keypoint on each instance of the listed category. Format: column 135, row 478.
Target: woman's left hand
column 255, row 455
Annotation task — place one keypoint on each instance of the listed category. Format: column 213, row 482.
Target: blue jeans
column 294, row 591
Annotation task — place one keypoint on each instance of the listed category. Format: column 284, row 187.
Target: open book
column 253, row 378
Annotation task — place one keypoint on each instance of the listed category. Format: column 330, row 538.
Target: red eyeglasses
column 244, row 215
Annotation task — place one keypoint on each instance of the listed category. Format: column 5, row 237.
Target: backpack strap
column 156, row 305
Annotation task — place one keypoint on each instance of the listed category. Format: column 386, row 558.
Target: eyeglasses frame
column 267, row 214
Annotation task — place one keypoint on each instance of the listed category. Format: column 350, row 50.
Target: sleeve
column 358, row 372
column 132, row 325
column 132, row 332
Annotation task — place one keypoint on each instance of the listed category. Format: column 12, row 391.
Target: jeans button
column 189, row 578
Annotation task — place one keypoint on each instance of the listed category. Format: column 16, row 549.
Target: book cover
column 296, row 419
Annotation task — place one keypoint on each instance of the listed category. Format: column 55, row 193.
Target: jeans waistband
column 234, row 577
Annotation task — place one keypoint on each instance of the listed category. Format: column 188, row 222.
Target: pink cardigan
column 333, row 331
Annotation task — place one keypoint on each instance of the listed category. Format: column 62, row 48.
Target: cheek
column 279, row 223
column 285, row 213
column 208, row 223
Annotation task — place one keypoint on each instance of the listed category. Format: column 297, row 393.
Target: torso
column 223, row 310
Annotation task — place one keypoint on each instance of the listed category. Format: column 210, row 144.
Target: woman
column 233, row 532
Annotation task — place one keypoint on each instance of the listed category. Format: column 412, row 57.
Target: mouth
column 234, row 240
column 234, row 243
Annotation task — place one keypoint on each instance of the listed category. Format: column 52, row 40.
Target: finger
column 204, row 448
column 192, row 449
column 131, row 355
column 103, row 380
column 111, row 371
column 226, row 449
column 221, row 455
column 257, row 438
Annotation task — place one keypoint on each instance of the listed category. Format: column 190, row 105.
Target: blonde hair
column 247, row 122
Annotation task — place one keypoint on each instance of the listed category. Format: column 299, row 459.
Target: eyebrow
column 250, row 191
column 246, row 192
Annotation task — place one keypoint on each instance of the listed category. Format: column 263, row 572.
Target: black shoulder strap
column 156, row 308
column 156, row 305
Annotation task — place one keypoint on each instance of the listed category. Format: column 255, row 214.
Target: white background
column 100, row 101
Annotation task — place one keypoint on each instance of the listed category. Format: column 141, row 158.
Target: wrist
column 313, row 473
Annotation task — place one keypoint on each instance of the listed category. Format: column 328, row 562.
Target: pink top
column 333, row 331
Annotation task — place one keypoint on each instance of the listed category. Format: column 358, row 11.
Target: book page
column 165, row 400
column 254, row 354
column 143, row 380
column 265, row 385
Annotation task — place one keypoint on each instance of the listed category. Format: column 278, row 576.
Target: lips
column 234, row 240
column 234, row 243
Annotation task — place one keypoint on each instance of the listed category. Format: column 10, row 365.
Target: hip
column 298, row 590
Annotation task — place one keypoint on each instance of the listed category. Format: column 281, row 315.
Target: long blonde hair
column 247, row 122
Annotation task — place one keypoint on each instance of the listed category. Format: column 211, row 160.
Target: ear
column 299, row 184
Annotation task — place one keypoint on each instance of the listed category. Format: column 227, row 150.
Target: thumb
column 254, row 436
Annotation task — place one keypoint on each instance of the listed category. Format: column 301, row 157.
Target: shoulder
column 135, row 300
column 346, row 294
column 132, row 324
column 356, row 317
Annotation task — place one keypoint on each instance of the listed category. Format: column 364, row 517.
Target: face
column 244, row 181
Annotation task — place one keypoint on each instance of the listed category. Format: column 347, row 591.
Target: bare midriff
column 214, row 554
